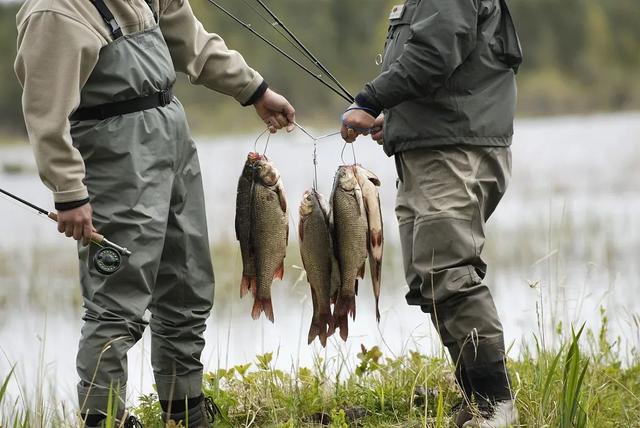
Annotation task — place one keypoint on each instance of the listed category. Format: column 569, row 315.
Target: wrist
column 258, row 94
column 67, row 206
column 368, row 104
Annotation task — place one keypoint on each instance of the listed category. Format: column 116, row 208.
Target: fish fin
column 279, row 271
column 282, row 197
column 300, row 231
column 326, row 328
column 331, row 325
column 356, row 287
column 345, row 306
column 262, row 305
column 378, row 309
column 245, row 285
column 361, row 270
column 314, row 331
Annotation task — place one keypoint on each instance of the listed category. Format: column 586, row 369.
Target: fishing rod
column 308, row 53
column 108, row 258
column 248, row 27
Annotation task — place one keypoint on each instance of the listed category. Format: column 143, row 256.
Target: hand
column 77, row 223
column 378, row 124
column 275, row 111
column 354, row 123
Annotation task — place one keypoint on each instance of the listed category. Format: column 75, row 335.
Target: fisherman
column 445, row 103
column 112, row 143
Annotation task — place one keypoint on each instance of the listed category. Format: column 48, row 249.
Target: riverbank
column 581, row 383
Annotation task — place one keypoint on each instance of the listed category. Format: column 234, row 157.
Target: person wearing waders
column 444, row 106
column 112, row 143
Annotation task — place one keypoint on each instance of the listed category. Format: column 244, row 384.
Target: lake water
column 566, row 239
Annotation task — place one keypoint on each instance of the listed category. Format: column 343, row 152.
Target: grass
column 583, row 383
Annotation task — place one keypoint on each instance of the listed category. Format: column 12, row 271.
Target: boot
column 461, row 413
column 201, row 415
column 502, row 414
column 98, row 421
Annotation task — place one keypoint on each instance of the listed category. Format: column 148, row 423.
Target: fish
column 318, row 259
column 269, row 233
column 369, row 184
column 349, row 224
column 243, row 225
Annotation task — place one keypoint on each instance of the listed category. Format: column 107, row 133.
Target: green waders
column 145, row 185
column 445, row 196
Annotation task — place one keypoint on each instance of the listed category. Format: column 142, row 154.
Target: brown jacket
column 58, row 46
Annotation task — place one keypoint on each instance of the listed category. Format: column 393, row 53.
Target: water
column 567, row 232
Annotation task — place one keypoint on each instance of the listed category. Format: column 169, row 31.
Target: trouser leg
column 444, row 198
column 115, row 305
column 129, row 181
column 183, row 295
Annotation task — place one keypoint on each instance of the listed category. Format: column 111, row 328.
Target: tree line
column 580, row 56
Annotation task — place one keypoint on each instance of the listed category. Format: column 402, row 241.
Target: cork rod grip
column 95, row 236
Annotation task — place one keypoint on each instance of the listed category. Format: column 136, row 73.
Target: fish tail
column 245, row 285
column 314, row 331
column 279, row 272
column 331, row 325
column 326, row 328
column 262, row 305
column 344, row 307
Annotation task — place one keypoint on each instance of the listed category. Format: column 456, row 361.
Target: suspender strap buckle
column 166, row 96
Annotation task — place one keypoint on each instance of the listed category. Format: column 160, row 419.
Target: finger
column 61, row 225
column 272, row 129
column 68, row 231
column 351, row 134
column 77, row 231
column 274, row 122
column 343, row 132
column 377, row 136
column 86, row 234
column 282, row 120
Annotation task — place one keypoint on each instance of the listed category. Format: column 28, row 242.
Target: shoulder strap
column 155, row 14
column 106, row 14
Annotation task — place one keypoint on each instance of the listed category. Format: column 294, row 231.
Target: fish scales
column 316, row 250
column 270, row 230
column 350, row 233
column 369, row 184
column 243, row 225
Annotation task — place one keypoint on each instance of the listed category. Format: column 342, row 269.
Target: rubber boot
column 201, row 413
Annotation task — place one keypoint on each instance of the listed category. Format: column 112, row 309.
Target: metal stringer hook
column 255, row 144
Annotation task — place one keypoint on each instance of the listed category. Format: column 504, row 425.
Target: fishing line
column 279, row 50
column 342, row 152
column 353, row 150
column 306, row 51
column 276, row 26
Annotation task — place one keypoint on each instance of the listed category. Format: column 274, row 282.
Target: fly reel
column 107, row 261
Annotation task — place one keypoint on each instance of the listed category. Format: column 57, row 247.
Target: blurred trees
column 580, row 56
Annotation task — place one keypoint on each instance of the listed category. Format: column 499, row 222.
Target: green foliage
column 580, row 56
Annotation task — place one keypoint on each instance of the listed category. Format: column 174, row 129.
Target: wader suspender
column 104, row 111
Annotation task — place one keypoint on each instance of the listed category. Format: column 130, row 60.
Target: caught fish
column 369, row 183
column 262, row 228
column 269, row 233
column 316, row 250
column 243, row 225
column 350, row 239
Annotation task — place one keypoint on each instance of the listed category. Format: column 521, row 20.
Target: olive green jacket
column 448, row 75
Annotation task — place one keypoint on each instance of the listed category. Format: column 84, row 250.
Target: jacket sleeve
column 203, row 56
column 443, row 34
column 55, row 57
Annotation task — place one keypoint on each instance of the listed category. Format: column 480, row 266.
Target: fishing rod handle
column 95, row 236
